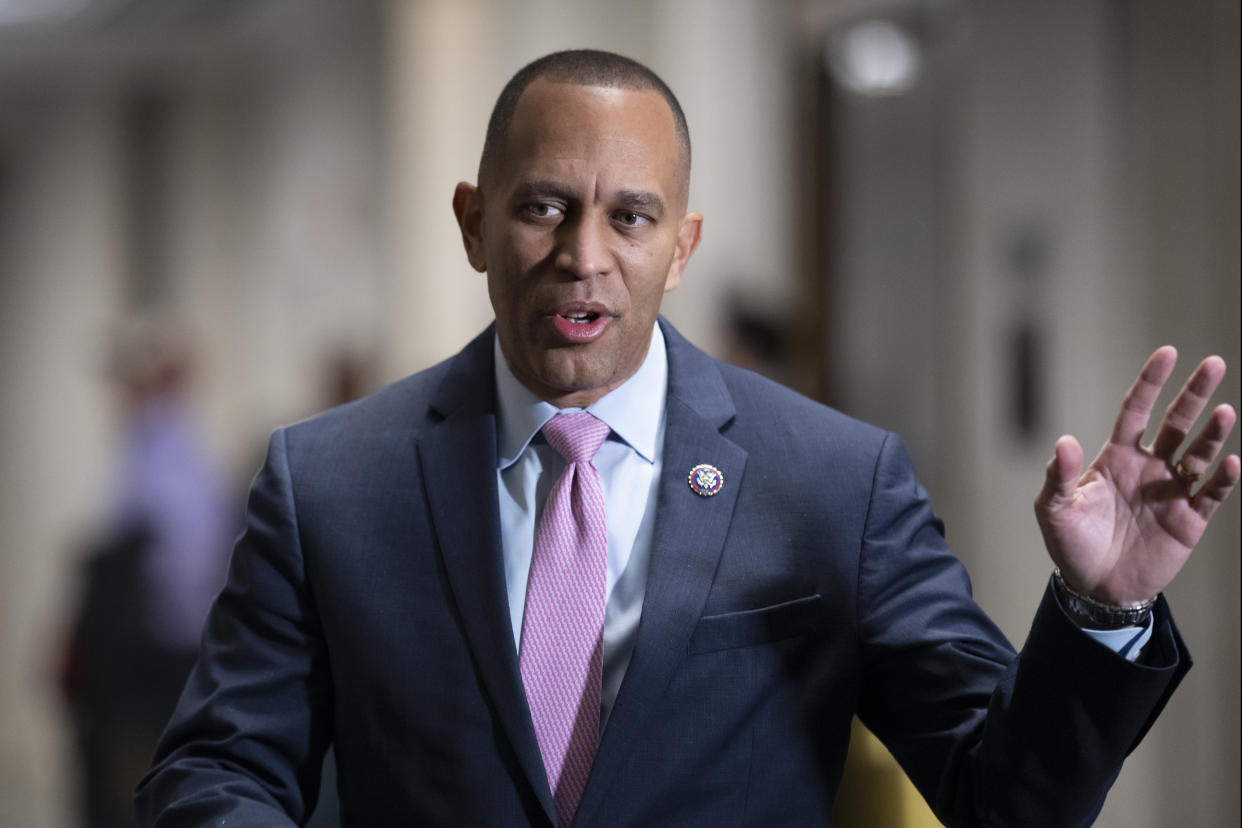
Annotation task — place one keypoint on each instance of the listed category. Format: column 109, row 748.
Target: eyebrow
column 637, row 200
column 542, row 189
column 641, row 201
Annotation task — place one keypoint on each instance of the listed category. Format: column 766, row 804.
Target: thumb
column 1064, row 469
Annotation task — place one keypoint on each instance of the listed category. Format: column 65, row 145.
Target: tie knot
column 576, row 437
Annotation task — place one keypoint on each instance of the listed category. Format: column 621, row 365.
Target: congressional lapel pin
column 706, row 480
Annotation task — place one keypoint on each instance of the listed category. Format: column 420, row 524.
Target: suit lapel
column 458, row 461
column 689, row 535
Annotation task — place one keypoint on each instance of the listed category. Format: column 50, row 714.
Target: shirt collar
column 632, row 410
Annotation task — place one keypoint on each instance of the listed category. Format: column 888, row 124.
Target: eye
column 629, row 218
column 541, row 210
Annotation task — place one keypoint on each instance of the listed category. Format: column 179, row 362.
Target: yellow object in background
column 875, row 792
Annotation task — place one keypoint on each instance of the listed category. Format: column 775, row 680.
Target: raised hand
column 1123, row 529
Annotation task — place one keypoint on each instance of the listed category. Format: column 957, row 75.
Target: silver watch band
column 1094, row 614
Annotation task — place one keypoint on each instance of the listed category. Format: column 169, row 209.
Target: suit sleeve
column 245, row 744
column 990, row 737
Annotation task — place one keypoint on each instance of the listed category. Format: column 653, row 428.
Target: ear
column 468, row 207
column 688, row 235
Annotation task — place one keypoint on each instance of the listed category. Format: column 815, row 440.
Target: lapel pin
column 706, row 480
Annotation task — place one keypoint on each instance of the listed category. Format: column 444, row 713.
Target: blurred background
column 966, row 221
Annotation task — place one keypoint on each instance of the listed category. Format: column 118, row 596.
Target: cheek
column 649, row 273
column 525, row 247
column 506, row 274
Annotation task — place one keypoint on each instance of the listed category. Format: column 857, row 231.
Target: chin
column 574, row 377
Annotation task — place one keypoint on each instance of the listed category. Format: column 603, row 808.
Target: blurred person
column 581, row 573
column 149, row 577
column 346, row 374
column 755, row 340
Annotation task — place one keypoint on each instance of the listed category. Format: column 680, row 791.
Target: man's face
column 581, row 233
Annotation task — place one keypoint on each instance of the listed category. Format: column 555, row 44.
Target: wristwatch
column 1096, row 615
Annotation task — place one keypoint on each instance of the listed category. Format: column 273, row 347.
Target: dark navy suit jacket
column 366, row 607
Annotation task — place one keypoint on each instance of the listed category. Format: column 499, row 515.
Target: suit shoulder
column 403, row 405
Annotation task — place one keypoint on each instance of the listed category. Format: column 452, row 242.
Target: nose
column 581, row 247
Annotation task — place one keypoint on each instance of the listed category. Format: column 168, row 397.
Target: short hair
column 581, row 67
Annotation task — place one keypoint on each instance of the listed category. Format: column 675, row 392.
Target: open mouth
column 580, row 325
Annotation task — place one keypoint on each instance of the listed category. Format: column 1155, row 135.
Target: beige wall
column 57, row 293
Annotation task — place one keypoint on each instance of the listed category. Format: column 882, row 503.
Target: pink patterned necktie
column 562, row 629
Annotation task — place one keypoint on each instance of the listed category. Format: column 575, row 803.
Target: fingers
column 1064, row 469
column 1186, row 407
column 1138, row 402
column 1202, row 451
column 1218, row 486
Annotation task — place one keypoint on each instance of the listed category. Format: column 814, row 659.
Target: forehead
column 592, row 130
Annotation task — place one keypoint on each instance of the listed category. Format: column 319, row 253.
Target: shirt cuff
column 1127, row 642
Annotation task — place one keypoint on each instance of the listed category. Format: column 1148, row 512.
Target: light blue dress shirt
column 1127, row 641
column 629, row 467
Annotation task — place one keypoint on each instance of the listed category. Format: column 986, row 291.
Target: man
column 665, row 611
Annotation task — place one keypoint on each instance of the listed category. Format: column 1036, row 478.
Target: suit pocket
column 758, row 626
